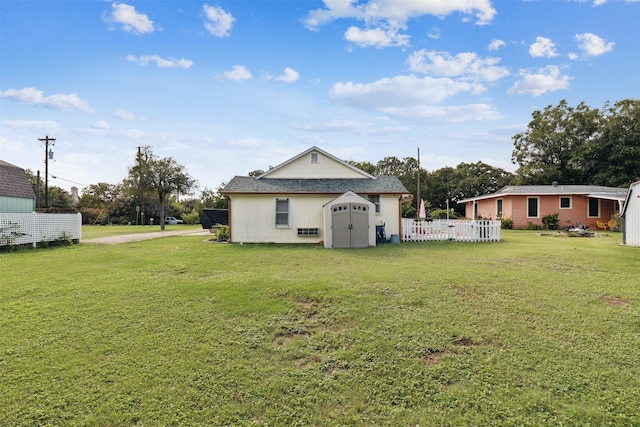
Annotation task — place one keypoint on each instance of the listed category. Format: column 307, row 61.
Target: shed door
column 350, row 225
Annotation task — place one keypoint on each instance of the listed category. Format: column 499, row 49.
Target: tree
column 59, row 198
column 615, row 159
column 580, row 145
column 161, row 176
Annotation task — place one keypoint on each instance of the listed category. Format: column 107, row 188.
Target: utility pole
column 47, row 155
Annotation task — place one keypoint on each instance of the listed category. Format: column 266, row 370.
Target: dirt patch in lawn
column 616, row 302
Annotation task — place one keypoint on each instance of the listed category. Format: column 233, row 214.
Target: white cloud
column 290, row 75
column 238, row 73
column 218, row 22
column 465, row 65
column 62, row 102
column 598, row 2
column 124, row 115
column 101, row 124
column 47, row 125
column 397, row 12
column 161, row 62
column 130, row 20
column 397, row 91
column 593, row 45
column 434, row 33
column 333, row 126
column 376, row 37
column 385, row 18
column 548, row 79
column 412, row 98
column 496, row 44
column 543, row 47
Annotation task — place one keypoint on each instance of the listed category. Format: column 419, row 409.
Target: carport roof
column 251, row 185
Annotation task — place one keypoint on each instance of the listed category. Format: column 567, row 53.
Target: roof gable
column 315, row 163
column 14, row 182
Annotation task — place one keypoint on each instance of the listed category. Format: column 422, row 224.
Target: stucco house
column 16, row 193
column 314, row 197
column 631, row 216
column 524, row 204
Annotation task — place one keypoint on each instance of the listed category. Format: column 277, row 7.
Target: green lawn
column 96, row 231
column 533, row 330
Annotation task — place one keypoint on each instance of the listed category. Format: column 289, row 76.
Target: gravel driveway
column 125, row 238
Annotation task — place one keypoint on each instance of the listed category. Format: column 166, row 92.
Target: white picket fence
column 456, row 230
column 33, row 228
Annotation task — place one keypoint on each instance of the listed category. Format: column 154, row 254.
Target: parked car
column 172, row 220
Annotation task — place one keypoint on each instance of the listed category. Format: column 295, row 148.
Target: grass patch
column 533, row 330
column 97, row 231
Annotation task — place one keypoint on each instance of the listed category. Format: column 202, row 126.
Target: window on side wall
column 314, row 158
column 594, row 208
column 282, row 212
column 499, row 208
column 375, row 199
column 532, row 207
column 565, row 202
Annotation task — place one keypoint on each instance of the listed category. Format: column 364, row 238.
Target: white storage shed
column 631, row 216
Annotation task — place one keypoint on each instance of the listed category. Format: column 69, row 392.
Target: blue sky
column 228, row 87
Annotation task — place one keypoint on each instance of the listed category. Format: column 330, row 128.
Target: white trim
column 537, row 207
column 565, row 197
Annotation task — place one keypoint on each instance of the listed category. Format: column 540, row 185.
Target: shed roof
column 14, row 182
column 251, row 185
column 596, row 191
column 627, row 199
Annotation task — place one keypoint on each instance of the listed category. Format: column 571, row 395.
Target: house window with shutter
column 282, row 212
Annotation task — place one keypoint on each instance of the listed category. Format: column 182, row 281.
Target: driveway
column 125, row 238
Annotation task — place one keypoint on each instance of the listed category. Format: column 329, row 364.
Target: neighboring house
column 574, row 204
column 314, row 197
column 16, row 193
column 631, row 216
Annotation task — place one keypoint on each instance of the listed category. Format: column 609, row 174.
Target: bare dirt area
column 126, row 238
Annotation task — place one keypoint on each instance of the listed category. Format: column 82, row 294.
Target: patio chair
column 602, row 225
column 612, row 224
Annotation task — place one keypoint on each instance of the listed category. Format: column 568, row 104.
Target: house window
column 314, row 158
column 565, row 202
column 532, row 207
column 282, row 212
column 594, row 208
column 499, row 208
column 375, row 199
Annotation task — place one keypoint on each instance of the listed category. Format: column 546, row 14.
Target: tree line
column 563, row 144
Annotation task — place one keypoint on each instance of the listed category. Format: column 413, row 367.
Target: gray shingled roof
column 14, row 182
column 596, row 191
column 380, row 185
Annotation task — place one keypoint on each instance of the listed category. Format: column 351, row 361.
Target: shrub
column 506, row 223
column 442, row 214
column 551, row 222
column 191, row 218
column 533, row 226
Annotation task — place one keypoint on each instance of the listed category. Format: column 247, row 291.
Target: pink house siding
column 516, row 208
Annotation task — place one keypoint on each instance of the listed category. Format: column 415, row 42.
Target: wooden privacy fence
column 33, row 228
column 457, row 230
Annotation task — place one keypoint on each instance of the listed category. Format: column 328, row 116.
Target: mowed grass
column 97, row 231
column 533, row 330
